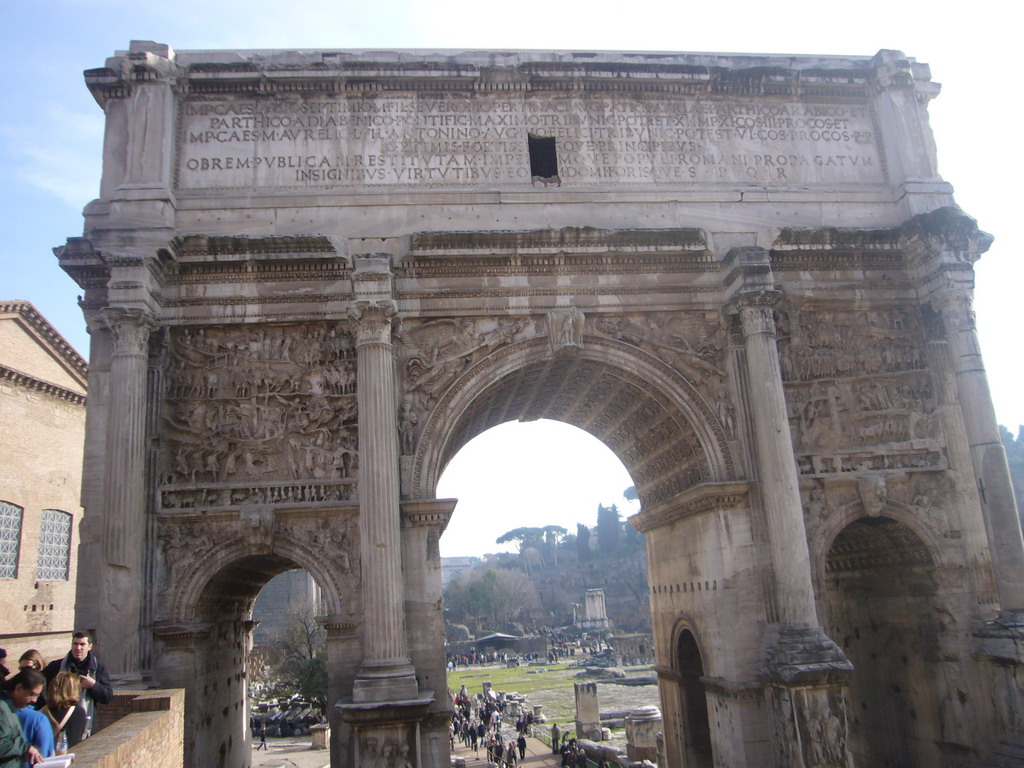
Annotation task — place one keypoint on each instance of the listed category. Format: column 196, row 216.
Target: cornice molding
column 675, row 74
column 706, row 497
column 73, row 362
column 353, row 72
column 38, row 385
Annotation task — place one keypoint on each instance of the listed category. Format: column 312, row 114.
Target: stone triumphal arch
column 311, row 277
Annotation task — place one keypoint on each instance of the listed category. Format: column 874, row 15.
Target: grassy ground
column 523, row 679
column 550, row 685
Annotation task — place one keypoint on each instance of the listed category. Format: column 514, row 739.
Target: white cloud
column 58, row 152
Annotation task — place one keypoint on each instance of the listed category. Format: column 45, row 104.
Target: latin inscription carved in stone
column 323, row 142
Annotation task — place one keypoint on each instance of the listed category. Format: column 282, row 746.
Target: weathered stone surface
column 312, row 277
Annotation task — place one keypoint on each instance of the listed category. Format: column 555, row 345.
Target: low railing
column 143, row 728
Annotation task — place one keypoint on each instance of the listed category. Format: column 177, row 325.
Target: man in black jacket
column 91, row 672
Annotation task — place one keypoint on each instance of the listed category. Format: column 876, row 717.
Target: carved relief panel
column 259, row 415
column 434, row 353
column 859, row 395
column 691, row 342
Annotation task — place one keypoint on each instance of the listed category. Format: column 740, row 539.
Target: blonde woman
column 66, row 716
column 31, row 660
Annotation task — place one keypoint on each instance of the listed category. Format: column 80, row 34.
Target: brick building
column 42, row 430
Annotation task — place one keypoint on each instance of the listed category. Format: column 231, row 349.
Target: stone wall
column 42, row 428
column 291, row 593
column 137, row 728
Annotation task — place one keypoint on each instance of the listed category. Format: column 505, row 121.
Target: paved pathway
column 290, row 753
column 538, row 755
column 295, row 753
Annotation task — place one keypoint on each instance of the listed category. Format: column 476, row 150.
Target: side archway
column 204, row 644
column 689, row 698
column 880, row 605
column 227, row 580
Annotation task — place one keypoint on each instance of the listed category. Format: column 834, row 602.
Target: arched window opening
column 54, row 561
column 10, row 539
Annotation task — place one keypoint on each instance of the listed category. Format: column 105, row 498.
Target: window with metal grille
column 10, row 539
column 54, row 546
column 543, row 157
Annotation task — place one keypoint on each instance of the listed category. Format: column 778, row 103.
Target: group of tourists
column 46, row 709
column 456, row 660
column 477, row 724
column 508, row 754
column 571, row 752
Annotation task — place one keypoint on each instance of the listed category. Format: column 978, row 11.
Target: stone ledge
column 137, row 728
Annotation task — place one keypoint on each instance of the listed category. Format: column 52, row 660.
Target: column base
column 806, row 675
column 387, row 733
column 381, row 682
column 805, row 656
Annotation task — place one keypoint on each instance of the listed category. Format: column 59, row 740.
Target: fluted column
column 386, row 673
column 987, row 451
column 776, row 464
column 124, row 490
column 806, row 670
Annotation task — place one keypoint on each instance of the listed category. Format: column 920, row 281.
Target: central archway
column 649, row 415
column 661, row 424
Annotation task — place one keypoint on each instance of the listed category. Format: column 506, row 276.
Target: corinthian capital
column 956, row 310
column 131, row 328
column 756, row 311
column 372, row 321
column 755, row 320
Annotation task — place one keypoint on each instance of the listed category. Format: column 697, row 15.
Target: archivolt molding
column 667, row 387
column 686, row 624
column 189, row 594
column 822, row 534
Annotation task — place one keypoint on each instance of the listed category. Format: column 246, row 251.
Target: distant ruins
column 312, row 277
column 593, row 614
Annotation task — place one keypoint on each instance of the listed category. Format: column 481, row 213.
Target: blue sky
column 51, row 129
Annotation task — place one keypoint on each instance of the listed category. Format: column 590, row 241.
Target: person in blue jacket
column 19, row 691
